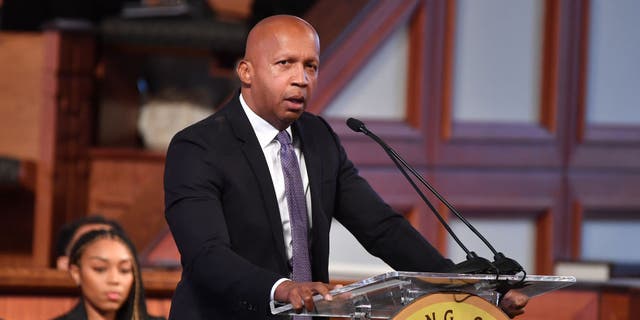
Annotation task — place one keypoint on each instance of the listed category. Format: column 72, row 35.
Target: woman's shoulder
column 69, row 316
column 77, row 313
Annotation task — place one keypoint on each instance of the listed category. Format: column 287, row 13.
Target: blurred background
column 523, row 114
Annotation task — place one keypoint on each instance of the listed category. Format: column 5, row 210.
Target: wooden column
column 61, row 185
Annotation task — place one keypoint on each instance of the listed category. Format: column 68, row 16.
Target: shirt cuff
column 275, row 285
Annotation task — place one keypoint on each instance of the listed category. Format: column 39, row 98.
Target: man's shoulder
column 209, row 127
column 313, row 122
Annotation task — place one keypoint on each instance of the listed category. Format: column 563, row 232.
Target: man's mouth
column 297, row 100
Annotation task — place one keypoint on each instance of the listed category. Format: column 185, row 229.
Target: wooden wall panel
column 48, row 307
column 511, row 195
column 34, row 307
column 615, row 305
column 596, row 194
column 66, row 133
column 479, row 167
column 21, row 87
column 364, row 151
column 22, row 61
column 596, row 146
column 159, row 306
column 32, row 293
column 602, row 190
column 561, row 147
column 497, row 144
column 565, row 305
column 47, row 95
column 163, row 252
column 127, row 185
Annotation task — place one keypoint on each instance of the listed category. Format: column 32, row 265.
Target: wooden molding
column 549, row 67
column 417, row 60
column 577, row 213
column 544, row 243
column 61, row 185
column 355, row 49
column 42, row 281
column 126, row 185
column 596, row 145
column 499, row 144
column 363, row 151
column 580, row 72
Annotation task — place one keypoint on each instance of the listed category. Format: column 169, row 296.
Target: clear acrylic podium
column 384, row 296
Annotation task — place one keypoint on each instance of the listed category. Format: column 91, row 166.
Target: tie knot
column 283, row 137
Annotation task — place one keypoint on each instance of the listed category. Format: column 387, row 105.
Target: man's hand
column 513, row 303
column 300, row 294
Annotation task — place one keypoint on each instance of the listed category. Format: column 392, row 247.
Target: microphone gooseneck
column 474, row 263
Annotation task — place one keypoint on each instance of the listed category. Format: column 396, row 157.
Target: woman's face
column 105, row 274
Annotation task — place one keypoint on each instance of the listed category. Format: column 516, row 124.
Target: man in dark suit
column 227, row 205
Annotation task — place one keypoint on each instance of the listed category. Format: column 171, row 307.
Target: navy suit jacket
column 223, row 213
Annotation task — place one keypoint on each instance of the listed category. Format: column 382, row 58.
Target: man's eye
column 283, row 62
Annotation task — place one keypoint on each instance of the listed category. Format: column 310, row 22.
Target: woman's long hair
column 134, row 308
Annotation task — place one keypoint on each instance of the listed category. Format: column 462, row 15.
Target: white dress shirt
column 266, row 134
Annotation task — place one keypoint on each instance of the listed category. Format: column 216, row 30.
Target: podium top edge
column 465, row 276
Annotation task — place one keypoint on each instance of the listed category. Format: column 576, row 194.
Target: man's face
column 283, row 71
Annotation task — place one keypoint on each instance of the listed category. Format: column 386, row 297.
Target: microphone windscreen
column 355, row 124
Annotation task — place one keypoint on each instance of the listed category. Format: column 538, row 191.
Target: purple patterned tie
column 297, row 209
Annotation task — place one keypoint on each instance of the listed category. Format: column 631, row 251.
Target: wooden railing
column 32, row 293
column 28, row 293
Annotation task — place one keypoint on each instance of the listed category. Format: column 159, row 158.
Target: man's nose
column 300, row 76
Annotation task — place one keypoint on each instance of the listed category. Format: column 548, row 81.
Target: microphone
column 474, row 263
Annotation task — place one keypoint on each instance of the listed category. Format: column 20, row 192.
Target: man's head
column 280, row 68
column 70, row 232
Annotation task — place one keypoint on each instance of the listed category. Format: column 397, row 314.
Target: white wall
column 515, row 238
column 379, row 90
column 497, row 61
column 614, row 67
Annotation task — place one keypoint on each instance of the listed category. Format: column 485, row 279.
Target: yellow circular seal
column 450, row 306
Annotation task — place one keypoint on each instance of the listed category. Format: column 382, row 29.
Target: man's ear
column 74, row 271
column 244, row 71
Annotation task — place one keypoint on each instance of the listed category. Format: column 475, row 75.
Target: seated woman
column 105, row 266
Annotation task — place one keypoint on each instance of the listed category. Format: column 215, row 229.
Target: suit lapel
column 255, row 157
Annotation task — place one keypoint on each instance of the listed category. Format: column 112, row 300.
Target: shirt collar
column 264, row 131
